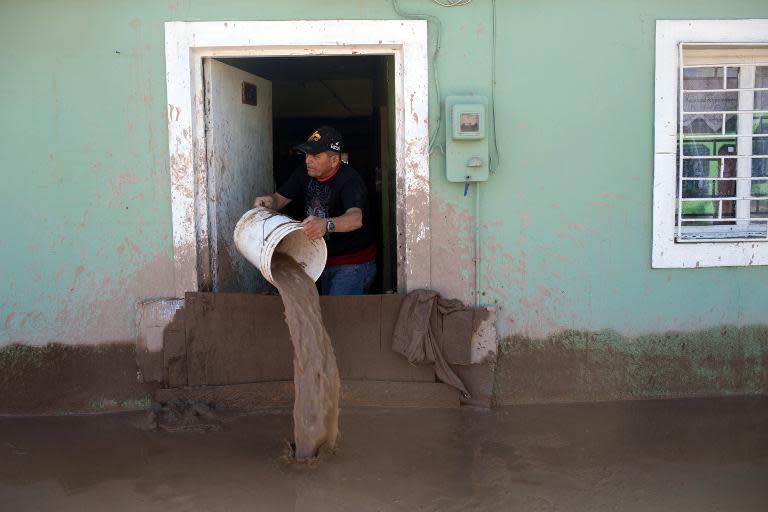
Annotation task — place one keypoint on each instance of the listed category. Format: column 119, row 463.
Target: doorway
column 257, row 109
column 403, row 42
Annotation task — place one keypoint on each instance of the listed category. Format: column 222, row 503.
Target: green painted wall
column 85, row 227
column 575, row 114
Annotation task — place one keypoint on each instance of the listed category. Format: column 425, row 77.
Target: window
column 711, row 162
column 722, row 147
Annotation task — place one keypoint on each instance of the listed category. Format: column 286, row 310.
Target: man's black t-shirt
column 332, row 198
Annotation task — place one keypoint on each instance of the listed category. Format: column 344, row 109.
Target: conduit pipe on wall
column 478, row 252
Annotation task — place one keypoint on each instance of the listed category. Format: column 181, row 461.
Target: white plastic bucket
column 262, row 232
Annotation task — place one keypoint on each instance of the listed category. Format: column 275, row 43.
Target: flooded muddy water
column 703, row 455
column 315, row 373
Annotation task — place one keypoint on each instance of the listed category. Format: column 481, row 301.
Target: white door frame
column 187, row 43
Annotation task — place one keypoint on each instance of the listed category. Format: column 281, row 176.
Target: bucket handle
column 275, row 214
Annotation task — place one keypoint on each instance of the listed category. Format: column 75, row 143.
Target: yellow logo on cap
column 314, row 137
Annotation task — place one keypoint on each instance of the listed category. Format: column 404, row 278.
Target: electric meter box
column 466, row 144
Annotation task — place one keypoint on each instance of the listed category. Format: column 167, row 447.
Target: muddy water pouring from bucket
column 315, row 374
column 274, row 243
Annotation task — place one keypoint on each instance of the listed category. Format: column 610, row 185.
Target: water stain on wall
column 574, row 366
column 59, row 378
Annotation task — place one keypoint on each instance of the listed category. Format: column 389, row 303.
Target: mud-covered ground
column 703, row 454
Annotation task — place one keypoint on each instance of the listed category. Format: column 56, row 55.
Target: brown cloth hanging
column 418, row 329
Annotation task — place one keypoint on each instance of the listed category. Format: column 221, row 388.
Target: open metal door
column 238, row 134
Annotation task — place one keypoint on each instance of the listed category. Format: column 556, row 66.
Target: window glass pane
column 761, row 81
column 761, row 100
column 729, row 209
column 702, row 123
column 760, row 188
column 760, row 146
column 699, row 209
column 731, row 123
column 710, row 123
column 729, row 168
column 760, row 167
column 696, row 149
column 710, row 101
column 709, row 147
column 709, row 78
column 701, row 168
column 760, row 123
column 725, row 147
column 759, row 209
column 709, row 188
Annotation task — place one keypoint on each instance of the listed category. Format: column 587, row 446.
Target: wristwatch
column 330, row 227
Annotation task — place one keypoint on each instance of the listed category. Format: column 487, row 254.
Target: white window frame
column 666, row 253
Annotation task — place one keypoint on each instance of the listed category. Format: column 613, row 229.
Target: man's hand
column 265, row 202
column 274, row 201
column 315, row 227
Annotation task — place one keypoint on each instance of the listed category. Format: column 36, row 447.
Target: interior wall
column 324, row 98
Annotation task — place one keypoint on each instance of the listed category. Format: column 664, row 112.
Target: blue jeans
column 348, row 279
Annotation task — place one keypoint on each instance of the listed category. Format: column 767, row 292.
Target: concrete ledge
column 264, row 395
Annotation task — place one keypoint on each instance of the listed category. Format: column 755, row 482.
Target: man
column 336, row 205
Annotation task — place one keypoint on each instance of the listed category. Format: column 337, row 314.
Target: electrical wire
column 478, row 256
column 495, row 157
column 438, row 30
column 452, row 3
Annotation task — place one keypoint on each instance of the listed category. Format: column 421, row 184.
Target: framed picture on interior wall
column 249, row 94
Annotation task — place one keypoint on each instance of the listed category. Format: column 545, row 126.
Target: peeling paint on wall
column 453, row 270
column 97, row 306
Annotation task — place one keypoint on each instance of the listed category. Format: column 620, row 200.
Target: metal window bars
column 722, row 197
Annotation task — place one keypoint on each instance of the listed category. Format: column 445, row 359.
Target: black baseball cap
column 323, row 139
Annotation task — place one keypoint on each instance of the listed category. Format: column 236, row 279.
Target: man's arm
column 315, row 227
column 273, row 201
